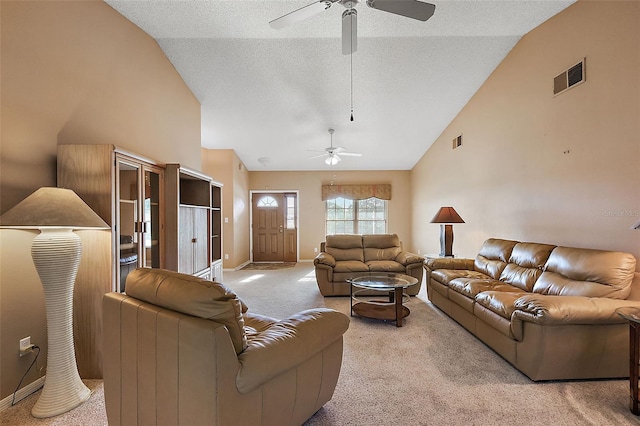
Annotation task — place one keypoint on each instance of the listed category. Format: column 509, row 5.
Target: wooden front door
column 268, row 227
column 275, row 227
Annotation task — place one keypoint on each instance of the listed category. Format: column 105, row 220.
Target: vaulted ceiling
column 271, row 95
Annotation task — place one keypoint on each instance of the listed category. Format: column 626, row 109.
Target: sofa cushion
column 192, row 296
column 501, row 302
column 493, row 256
column 586, row 272
column 388, row 253
column 471, row 287
column 525, row 264
column 381, row 241
column 531, row 255
column 381, row 247
column 445, row 276
column 345, row 247
column 493, row 321
column 385, row 266
column 350, row 266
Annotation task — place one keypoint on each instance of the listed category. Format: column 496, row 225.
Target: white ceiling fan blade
column 351, row 154
column 319, row 155
column 300, row 14
column 410, row 8
column 349, row 31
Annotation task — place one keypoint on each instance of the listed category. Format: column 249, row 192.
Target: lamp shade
column 52, row 208
column 447, row 215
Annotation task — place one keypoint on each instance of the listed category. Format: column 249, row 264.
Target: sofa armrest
column 407, row 258
column 449, row 263
column 324, row 258
column 287, row 343
column 562, row 310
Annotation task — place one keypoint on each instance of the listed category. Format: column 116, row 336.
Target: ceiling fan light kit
column 333, row 153
column 332, row 160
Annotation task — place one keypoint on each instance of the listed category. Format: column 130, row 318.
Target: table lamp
column 445, row 217
column 56, row 253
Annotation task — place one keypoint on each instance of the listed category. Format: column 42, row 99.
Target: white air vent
column 569, row 78
column 457, row 141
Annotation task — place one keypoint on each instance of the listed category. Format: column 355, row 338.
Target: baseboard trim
column 237, row 268
column 22, row 393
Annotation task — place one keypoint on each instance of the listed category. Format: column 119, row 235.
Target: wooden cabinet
column 188, row 221
column 126, row 191
column 192, row 236
column 216, row 231
column 139, row 212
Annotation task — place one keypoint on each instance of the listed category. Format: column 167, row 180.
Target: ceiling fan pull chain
column 351, row 67
column 352, row 87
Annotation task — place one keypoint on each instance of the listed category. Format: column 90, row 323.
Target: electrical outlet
column 315, row 249
column 25, row 346
column 226, row 256
column 25, row 343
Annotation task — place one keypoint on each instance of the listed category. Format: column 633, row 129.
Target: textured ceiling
column 271, row 95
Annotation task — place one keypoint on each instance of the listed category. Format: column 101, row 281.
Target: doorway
column 274, row 226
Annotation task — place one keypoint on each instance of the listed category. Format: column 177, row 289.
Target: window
column 291, row 211
column 345, row 216
column 267, row 202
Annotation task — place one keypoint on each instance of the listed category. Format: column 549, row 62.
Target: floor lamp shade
column 56, row 253
column 445, row 217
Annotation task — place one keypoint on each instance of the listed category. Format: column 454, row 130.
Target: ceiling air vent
column 569, row 78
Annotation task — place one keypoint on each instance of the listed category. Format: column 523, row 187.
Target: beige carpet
column 429, row 372
column 91, row 413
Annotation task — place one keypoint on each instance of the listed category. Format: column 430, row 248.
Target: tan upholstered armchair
column 184, row 351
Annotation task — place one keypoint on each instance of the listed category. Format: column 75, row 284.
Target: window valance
column 356, row 192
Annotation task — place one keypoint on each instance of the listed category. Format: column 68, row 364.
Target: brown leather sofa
column 180, row 350
column 548, row 310
column 347, row 256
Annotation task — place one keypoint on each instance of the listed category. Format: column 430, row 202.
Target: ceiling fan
column 331, row 152
column 409, row 8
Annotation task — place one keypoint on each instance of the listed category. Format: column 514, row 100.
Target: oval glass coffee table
column 390, row 285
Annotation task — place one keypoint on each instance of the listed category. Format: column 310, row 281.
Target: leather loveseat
column 180, row 350
column 347, row 256
column 548, row 310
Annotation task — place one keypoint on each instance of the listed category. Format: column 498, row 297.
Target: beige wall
column 534, row 167
column 311, row 215
column 74, row 72
column 225, row 166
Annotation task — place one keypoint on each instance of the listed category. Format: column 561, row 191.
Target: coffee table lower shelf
column 385, row 312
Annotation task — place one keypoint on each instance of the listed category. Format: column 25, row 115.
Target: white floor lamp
column 56, row 253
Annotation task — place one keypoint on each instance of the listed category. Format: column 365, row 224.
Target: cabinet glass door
column 152, row 225
column 128, row 220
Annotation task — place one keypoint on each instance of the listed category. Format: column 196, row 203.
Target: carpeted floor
column 428, row 372
column 91, row 413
